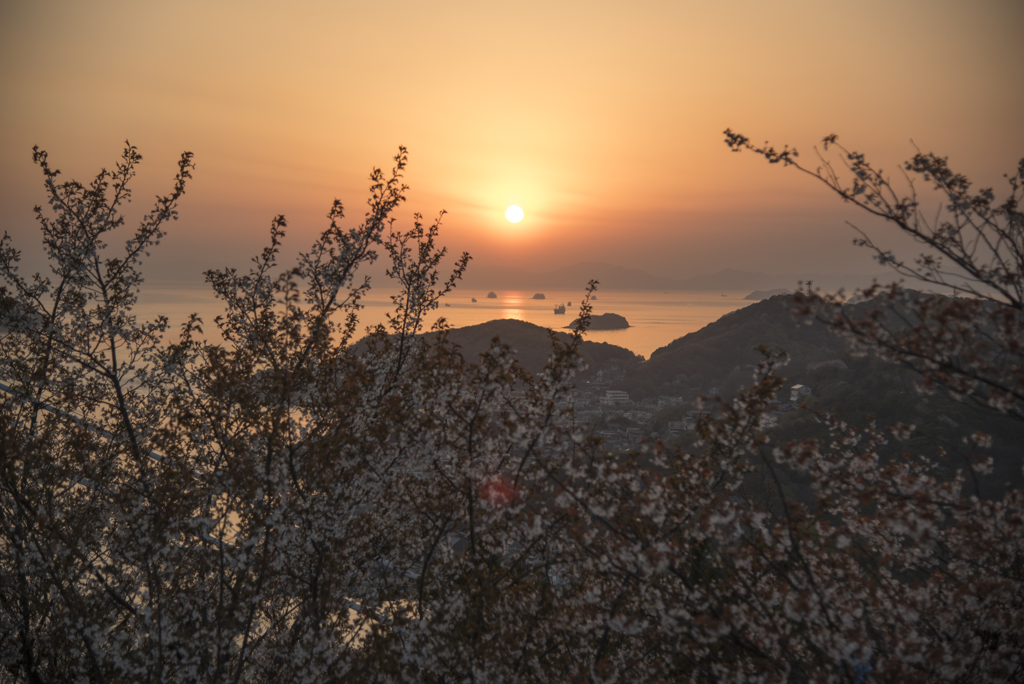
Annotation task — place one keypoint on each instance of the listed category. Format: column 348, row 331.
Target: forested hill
column 722, row 353
column 533, row 345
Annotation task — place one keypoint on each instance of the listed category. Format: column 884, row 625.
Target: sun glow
column 514, row 214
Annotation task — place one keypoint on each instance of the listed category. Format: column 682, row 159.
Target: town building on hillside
column 675, row 427
column 634, row 436
column 641, row 417
column 798, row 392
column 615, row 398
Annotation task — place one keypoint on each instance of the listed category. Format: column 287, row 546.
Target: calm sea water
column 656, row 318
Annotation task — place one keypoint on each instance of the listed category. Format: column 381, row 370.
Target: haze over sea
column 655, row 318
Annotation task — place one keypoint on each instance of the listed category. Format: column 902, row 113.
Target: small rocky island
column 608, row 321
column 491, row 295
column 758, row 295
column 539, row 295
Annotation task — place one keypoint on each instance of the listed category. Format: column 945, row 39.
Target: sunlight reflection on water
column 656, row 318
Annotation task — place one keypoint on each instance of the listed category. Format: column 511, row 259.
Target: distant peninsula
column 608, row 321
column 758, row 295
column 539, row 295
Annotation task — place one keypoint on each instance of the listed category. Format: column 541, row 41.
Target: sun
column 514, row 214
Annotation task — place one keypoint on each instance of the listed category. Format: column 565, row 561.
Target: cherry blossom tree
column 275, row 502
column 944, row 541
column 973, row 246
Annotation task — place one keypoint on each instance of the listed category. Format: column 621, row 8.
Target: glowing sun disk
column 514, row 214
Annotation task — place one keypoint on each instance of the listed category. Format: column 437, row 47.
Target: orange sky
column 602, row 120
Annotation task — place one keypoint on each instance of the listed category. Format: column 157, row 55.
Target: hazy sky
column 603, row 120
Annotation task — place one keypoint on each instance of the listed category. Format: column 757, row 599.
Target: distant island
column 491, row 295
column 539, row 295
column 758, row 295
column 608, row 321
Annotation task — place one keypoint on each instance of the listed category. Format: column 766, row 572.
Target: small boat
column 447, row 304
column 569, row 304
column 474, row 300
column 560, row 309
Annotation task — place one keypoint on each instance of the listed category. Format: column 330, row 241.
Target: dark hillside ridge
column 758, row 295
column 532, row 344
column 722, row 354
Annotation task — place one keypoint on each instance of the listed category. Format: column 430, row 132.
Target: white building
column 615, row 398
column 798, row 392
column 685, row 425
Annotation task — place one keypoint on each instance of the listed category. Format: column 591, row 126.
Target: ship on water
column 560, row 309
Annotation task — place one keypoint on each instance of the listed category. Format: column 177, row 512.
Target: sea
column 655, row 318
